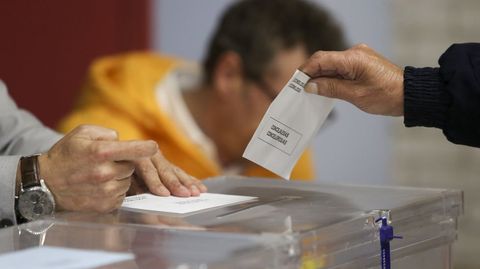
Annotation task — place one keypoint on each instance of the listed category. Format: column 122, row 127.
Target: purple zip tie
column 386, row 235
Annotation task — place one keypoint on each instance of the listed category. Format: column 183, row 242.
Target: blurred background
column 46, row 46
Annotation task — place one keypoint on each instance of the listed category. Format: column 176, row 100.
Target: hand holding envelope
column 288, row 127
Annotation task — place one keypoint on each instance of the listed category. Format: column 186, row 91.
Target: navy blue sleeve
column 447, row 97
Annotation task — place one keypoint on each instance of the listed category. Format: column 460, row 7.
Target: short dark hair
column 257, row 29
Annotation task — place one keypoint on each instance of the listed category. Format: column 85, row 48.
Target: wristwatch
column 34, row 199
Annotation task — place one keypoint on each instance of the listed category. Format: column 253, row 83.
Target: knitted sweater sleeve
column 447, row 97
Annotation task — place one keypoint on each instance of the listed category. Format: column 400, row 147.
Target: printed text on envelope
column 280, row 136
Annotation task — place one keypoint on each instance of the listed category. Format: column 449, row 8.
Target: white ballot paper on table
column 288, row 127
column 182, row 205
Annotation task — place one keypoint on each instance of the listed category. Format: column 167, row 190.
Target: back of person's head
column 258, row 29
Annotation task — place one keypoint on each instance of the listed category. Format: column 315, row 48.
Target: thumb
column 331, row 87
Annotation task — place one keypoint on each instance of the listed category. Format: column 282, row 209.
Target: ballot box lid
column 330, row 224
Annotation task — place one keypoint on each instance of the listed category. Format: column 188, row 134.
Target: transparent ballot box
column 289, row 225
column 149, row 247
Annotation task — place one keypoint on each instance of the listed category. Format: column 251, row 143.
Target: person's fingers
column 364, row 49
column 311, row 87
column 119, row 201
column 147, row 173
column 196, row 182
column 173, row 183
column 168, row 177
column 123, row 150
column 200, row 185
column 108, row 171
column 333, row 88
column 113, row 188
column 188, row 181
column 94, row 132
column 329, row 64
column 122, row 169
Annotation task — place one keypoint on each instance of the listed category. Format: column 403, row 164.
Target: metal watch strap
column 29, row 171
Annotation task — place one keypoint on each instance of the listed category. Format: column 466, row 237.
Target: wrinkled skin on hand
column 157, row 175
column 90, row 170
column 358, row 75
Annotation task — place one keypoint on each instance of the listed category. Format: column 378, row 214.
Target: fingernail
column 194, row 190
column 311, row 87
column 203, row 188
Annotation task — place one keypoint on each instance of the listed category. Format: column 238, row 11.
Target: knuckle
column 361, row 46
column 164, row 173
column 354, row 53
column 177, row 169
column 102, row 174
column 98, row 152
column 168, row 177
column 318, row 54
column 142, row 170
column 188, row 183
column 83, row 128
column 331, row 88
column 154, row 144
column 107, row 190
column 114, row 133
column 172, row 184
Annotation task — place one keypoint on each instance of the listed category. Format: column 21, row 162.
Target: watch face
column 35, row 203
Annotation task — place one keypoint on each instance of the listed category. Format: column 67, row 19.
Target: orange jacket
column 120, row 94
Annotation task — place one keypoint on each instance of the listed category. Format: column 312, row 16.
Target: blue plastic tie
column 386, row 235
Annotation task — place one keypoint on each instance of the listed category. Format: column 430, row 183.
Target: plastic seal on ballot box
column 288, row 127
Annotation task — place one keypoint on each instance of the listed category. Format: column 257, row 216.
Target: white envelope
column 288, row 127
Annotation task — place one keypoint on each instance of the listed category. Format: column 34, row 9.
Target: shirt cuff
column 425, row 101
